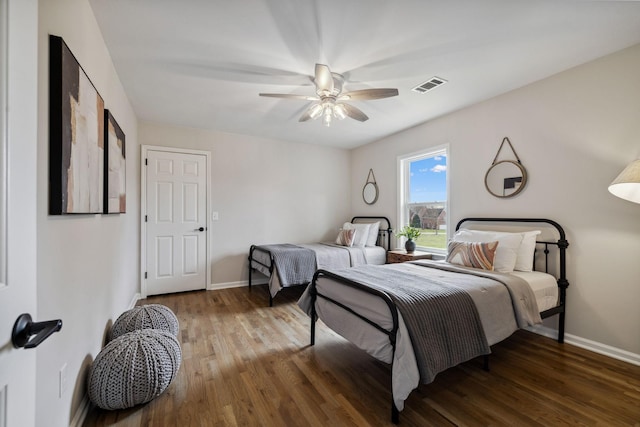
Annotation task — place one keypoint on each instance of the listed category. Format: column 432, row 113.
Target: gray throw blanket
column 295, row 265
column 442, row 320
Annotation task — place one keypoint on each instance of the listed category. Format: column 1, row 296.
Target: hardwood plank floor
column 246, row 364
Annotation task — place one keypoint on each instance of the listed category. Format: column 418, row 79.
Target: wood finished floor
column 246, row 364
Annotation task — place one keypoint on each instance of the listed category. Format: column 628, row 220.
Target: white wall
column 574, row 132
column 265, row 191
column 87, row 264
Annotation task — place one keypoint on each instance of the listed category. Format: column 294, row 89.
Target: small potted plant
column 410, row 233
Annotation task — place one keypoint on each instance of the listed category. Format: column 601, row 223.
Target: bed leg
column 270, row 298
column 485, row 362
column 561, row 328
column 313, row 324
column 313, row 332
column 395, row 414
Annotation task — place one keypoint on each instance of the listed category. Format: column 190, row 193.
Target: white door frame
column 143, row 210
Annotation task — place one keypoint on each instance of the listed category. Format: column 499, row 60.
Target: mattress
column 544, row 286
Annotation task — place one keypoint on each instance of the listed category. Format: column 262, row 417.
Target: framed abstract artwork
column 115, row 197
column 76, row 136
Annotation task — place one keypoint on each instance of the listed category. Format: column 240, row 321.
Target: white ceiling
column 202, row 63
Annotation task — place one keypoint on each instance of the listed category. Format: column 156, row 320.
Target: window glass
column 423, row 197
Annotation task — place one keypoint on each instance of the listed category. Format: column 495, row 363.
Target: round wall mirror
column 370, row 193
column 505, row 178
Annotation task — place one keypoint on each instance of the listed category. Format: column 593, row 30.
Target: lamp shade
column 627, row 184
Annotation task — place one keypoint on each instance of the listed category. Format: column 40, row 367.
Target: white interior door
column 176, row 221
column 18, row 180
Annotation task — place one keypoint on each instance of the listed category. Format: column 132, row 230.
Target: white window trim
column 403, row 191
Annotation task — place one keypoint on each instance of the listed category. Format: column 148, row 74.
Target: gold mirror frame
column 370, row 193
column 517, row 183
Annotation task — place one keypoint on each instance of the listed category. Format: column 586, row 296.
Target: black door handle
column 199, row 229
column 25, row 328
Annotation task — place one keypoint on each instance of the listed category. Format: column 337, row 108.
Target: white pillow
column 508, row 246
column 373, row 233
column 526, row 251
column 362, row 233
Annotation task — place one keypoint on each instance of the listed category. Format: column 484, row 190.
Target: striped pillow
column 477, row 255
column 345, row 237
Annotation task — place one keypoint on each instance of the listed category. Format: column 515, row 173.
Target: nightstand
column 402, row 256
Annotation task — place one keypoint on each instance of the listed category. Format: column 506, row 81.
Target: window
column 423, row 196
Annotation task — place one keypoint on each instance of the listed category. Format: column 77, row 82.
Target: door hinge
column 146, row 162
column 145, row 274
column 145, row 218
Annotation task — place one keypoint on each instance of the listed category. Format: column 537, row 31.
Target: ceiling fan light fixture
column 326, row 118
column 339, row 112
column 329, row 87
column 315, row 111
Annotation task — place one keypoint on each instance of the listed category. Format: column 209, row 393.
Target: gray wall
column 87, row 265
column 574, row 132
column 265, row 191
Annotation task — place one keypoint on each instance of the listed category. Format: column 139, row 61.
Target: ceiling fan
column 328, row 101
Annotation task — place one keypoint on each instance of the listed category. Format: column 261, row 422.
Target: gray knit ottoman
column 133, row 369
column 150, row 316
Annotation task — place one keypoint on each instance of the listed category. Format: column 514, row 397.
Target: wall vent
column 430, row 84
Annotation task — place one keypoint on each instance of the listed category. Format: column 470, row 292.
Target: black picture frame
column 76, row 136
column 115, row 166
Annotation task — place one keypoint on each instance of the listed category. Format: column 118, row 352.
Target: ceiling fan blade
column 354, row 112
column 323, row 80
column 290, row 96
column 366, row 94
column 305, row 116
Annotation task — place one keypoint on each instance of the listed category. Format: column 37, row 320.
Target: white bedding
column 498, row 324
column 544, row 286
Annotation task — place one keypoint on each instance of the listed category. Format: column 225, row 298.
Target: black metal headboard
column 382, row 231
column 561, row 243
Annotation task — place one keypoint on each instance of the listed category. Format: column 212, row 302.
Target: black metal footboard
column 269, row 267
column 391, row 333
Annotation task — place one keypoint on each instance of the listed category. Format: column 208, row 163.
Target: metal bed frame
column 383, row 234
column 560, row 309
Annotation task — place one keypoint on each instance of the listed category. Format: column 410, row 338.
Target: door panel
column 176, row 235
column 18, row 200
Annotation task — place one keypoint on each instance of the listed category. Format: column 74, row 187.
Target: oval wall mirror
column 370, row 193
column 505, row 178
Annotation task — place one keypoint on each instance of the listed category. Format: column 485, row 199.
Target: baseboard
column 239, row 284
column 596, row 347
column 134, row 300
column 81, row 413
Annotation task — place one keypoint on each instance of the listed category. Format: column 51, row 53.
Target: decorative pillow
column 345, row 237
column 524, row 254
column 477, row 255
column 374, row 227
column 507, row 252
column 362, row 233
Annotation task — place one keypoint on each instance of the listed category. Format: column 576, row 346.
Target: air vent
column 430, row 84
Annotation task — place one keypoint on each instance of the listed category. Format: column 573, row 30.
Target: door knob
column 25, row 328
column 199, row 229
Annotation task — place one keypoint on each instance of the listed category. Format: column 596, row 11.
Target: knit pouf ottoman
column 151, row 316
column 133, row 369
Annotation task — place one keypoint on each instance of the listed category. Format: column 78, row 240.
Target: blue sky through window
column 428, row 181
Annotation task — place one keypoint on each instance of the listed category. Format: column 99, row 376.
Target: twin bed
column 363, row 241
column 423, row 317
